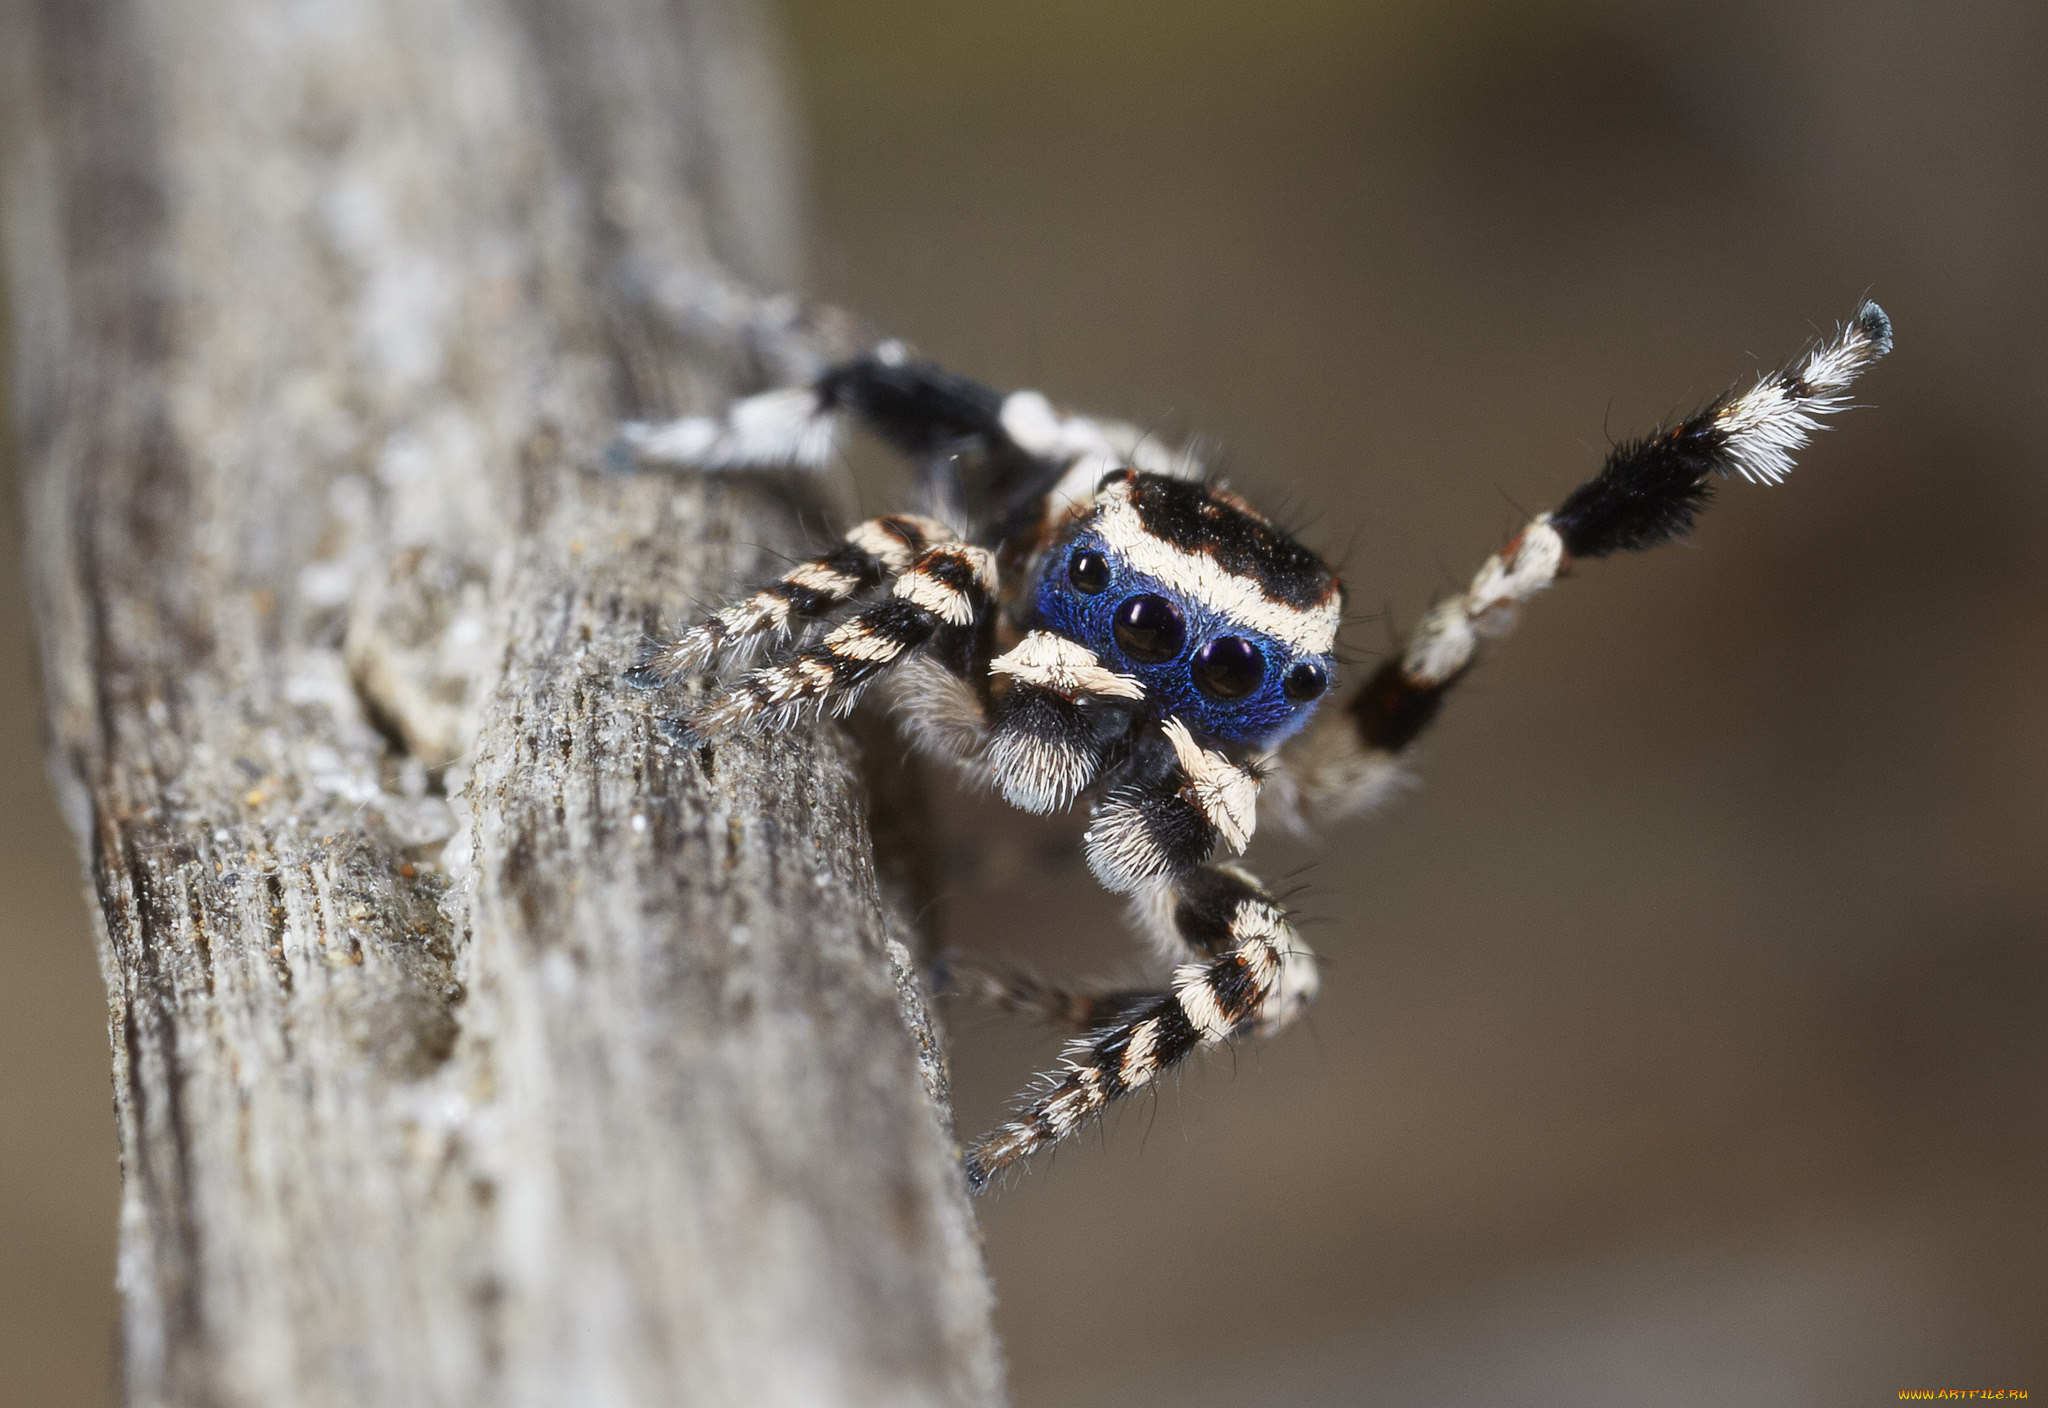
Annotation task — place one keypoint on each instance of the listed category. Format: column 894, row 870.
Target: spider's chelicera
column 1078, row 610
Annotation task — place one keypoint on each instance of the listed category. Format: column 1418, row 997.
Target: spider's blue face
column 1227, row 623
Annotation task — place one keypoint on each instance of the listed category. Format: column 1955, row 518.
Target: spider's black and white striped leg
column 1167, row 807
column 872, row 553
column 946, row 587
column 1647, row 493
column 1253, row 975
column 986, row 453
column 920, row 408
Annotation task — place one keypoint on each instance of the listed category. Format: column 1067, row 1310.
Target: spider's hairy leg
column 919, row 408
column 1647, row 493
column 1008, row 987
column 946, row 587
column 1167, row 808
column 984, row 453
column 1251, row 974
column 871, row 553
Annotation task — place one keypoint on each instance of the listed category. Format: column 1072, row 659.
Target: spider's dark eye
column 1229, row 667
column 1089, row 572
column 1150, row 629
column 1305, row 682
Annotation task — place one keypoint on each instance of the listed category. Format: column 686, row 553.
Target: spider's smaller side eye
column 1229, row 668
column 1305, row 682
column 1089, row 572
column 1150, row 629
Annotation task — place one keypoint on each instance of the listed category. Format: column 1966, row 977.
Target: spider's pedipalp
column 1053, row 720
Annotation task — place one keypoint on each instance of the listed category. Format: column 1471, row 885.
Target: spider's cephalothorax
column 1079, row 612
column 1226, row 621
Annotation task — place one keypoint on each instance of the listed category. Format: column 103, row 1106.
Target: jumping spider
column 1080, row 610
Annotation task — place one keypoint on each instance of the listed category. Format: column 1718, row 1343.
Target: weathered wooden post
column 471, row 1045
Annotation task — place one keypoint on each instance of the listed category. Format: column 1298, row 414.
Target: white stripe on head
column 1312, row 631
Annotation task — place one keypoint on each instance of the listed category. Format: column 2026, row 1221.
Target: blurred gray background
column 1684, row 1036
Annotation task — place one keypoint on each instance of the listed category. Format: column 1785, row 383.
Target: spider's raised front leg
column 1250, row 974
column 1647, row 493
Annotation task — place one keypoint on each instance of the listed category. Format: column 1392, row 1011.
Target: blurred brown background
column 1684, row 1037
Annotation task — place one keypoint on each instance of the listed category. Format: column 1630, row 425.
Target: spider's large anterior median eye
column 1229, row 668
column 1150, row 629
column 1089, row 572
column 1305, row 682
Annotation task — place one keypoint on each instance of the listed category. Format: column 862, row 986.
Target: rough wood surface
column 471, row 1046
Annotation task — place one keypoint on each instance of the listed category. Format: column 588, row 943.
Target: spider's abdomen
column 1228, row 622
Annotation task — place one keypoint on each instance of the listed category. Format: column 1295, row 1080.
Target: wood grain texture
column 471, row 1045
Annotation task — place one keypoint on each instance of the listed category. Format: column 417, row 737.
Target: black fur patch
column 1178, row 828
column 805, row 601
column 643, row 674
column 976, row 1173
column 1236, row 991
column 855, row 562
column 1208, row 902
column 915, row 406
column 955, row 569
column 904, row 622
column 1107, row 1056
column 1175, row 1036
column 1647, row 493
column 1198, row 519
column 1390, row 709
column 904, row 532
